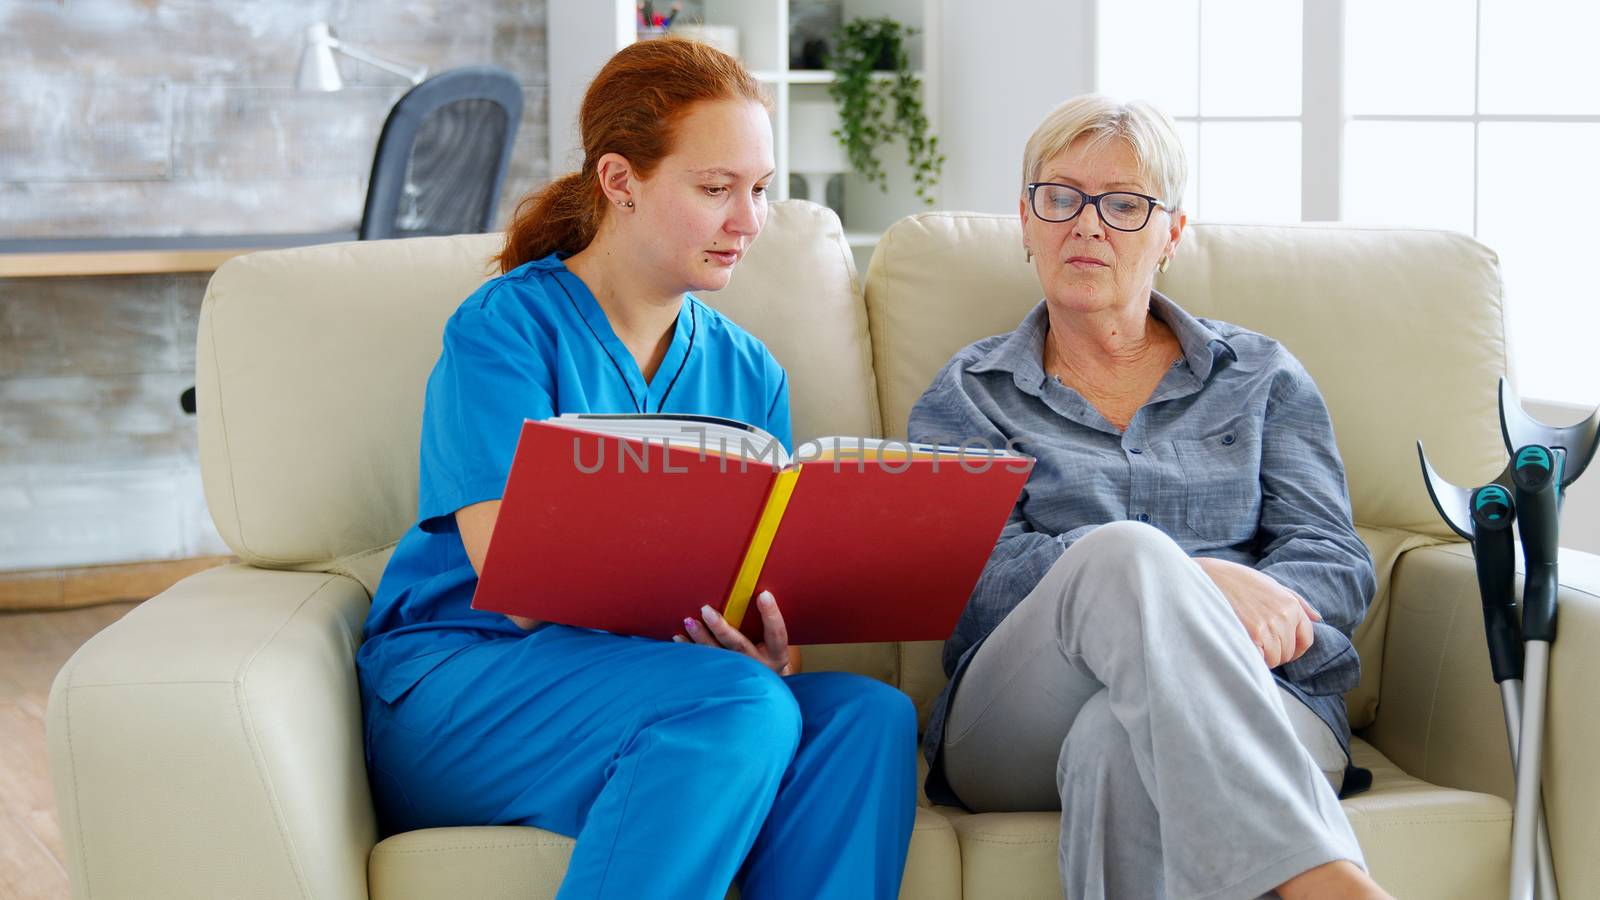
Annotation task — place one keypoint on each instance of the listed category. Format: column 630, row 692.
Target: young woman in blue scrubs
column 680, row 767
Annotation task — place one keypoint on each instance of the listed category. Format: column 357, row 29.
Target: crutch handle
column 1536, row 472
column 1494, row 554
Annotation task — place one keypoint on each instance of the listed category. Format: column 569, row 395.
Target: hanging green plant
column 874, row 111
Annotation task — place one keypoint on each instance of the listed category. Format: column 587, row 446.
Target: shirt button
column 1227, row 439
column 1143, row 517
column 1134, row 450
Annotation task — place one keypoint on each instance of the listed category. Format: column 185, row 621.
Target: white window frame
column 1322, row 110
column 1323, row 118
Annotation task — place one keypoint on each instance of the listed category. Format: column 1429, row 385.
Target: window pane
column 1412, row 57
column 1538, row 57
column 1251, row 171
column 1150, row 51
column 1249, row 57
column 1189, row 134
column 1544, row 247
column 1409, row 173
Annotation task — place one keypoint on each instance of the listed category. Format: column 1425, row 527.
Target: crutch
column 1484, row 517
column 1545, row 460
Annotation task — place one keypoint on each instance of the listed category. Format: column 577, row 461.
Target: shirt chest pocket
column 1222, row 484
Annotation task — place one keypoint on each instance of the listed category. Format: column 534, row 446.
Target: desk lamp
column 320, row 72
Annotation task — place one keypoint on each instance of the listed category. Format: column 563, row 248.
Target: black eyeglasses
column 1119, row 210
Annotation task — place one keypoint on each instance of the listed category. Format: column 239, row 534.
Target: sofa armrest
column 209, row 744
column 1439, row 717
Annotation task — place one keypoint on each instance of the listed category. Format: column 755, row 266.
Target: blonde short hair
column 1148, row 131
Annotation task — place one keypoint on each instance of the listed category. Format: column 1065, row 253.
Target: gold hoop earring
column 1027, row 252
column 1162, row 266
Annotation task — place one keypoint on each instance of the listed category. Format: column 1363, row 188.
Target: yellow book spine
column 755, row 556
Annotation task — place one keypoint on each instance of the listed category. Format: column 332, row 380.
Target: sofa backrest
column 1403, row 330
column 311, row 365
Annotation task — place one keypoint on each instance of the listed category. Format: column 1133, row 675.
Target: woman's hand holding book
column 773, row 652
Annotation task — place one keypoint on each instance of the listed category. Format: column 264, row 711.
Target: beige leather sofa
column 209, row 744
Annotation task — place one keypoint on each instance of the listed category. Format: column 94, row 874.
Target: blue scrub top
column 531, row 344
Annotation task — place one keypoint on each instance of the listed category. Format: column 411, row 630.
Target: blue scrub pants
column 679, row 768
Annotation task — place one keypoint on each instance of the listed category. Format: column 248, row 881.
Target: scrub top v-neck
column 646, row 397
column 531, row 344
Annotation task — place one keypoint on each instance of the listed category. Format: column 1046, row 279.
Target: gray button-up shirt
column 1233, row 456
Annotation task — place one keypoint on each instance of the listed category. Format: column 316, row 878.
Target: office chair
column 443, row 154
column 441, row 159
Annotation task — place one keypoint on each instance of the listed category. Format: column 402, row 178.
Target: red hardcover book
column 631, row 523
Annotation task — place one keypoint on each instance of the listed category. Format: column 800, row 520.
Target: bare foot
column 1338, row 880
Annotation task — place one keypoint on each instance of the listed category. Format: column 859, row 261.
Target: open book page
column 826, row 449
column 714, row 436
column 707, row 435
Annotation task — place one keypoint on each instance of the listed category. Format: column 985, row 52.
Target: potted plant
column 874, row 111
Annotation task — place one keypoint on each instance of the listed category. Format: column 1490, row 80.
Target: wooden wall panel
column 166, row 118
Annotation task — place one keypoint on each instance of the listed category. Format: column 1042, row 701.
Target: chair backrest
column 443, row 154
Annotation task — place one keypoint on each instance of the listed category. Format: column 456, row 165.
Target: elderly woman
column 1160, row 641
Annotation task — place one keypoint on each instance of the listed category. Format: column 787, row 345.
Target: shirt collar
column 550, row 262
column 1021, row 353
column 1202, row 346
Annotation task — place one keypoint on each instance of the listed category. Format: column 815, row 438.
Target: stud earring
column 627, row 203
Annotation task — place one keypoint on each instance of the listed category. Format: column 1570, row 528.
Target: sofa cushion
column 450, row 863
column 1420, row 841
column 911, row 666
column 314, row 460
column 308, row 461
column 514, row 863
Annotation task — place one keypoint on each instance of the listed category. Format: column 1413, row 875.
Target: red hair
column 630, row 109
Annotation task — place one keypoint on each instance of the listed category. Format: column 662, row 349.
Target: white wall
column 582, row 35
column 1580, row 516
column 1003, row 66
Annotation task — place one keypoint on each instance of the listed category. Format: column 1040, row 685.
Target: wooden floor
column 33, row 647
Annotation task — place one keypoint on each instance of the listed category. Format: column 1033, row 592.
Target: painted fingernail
column 690, row 625
column 679, row 639
column 707, row 613
column 765, row 598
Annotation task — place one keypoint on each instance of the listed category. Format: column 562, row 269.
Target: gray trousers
column 1124, row 689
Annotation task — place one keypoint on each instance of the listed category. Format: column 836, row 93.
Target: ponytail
column 562, row 217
